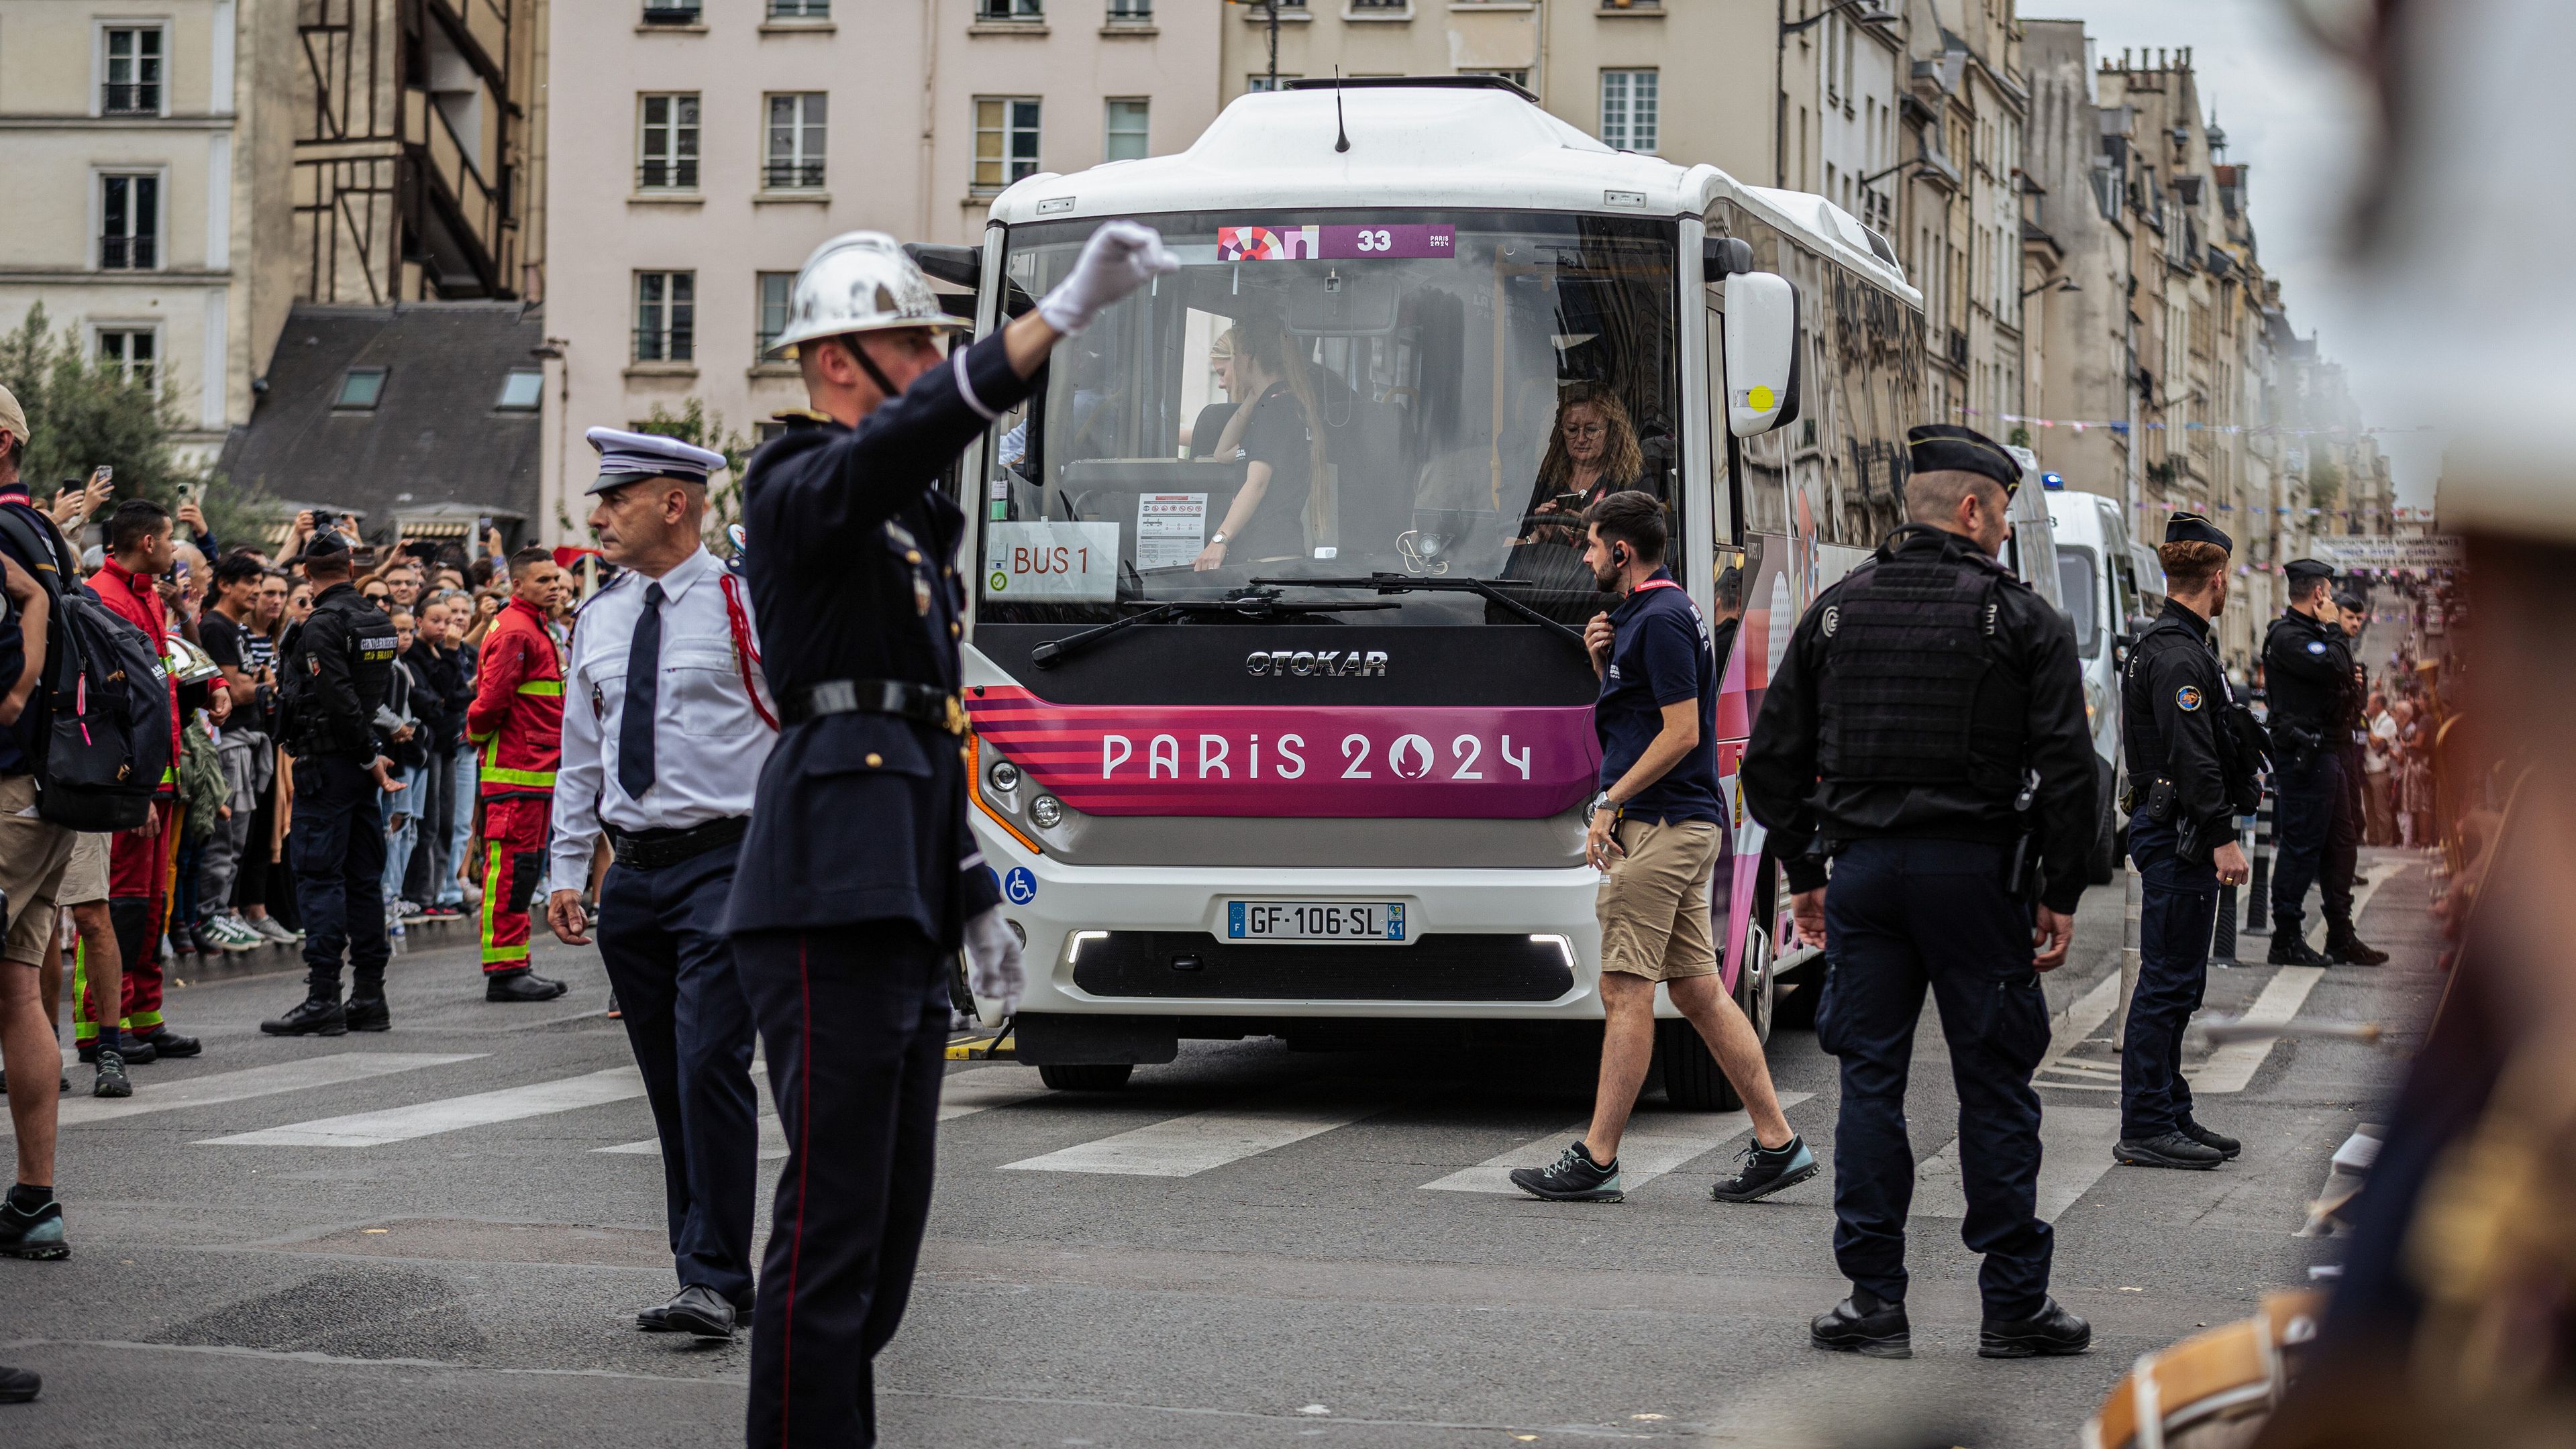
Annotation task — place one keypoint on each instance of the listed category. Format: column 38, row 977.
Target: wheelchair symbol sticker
column 1019, row 887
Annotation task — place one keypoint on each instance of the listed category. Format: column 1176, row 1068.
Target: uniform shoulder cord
column 745, row 653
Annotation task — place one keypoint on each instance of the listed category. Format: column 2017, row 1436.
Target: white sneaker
column 272, row 929
column 230, row 932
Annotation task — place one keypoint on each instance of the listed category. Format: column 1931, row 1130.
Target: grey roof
column 436, row 435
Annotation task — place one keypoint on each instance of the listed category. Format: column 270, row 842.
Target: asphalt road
column 1248, row 1246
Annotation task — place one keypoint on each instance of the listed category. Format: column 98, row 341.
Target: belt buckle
column 953, row 715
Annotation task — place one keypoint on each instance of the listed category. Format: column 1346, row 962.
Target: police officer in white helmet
column 859, row 877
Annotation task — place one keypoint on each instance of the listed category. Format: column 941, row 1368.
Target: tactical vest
column 1911, row 692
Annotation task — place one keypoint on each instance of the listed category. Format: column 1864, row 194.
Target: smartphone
column 482, row 533
column 103, row 475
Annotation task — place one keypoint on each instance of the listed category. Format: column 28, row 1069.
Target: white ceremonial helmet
column 859, row 281
column 2462, row 245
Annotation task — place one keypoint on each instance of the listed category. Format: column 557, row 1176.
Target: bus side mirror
column 1761, row 353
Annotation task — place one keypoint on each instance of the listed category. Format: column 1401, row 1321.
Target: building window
column 1628, row 109
column 1006, row 141
column 129, row 223
column 132, row 351
column 800, row 9
column 1126, row 132
column 522, row 388
column 670, row 12
column 1131, row 10
column 666, row 153
column 794, row 159
column 360, row 389
column 1010, row 9
column 666, row 316
column 132, row 73
column 1380, row 4
column 776, row 289
column 1260, row 81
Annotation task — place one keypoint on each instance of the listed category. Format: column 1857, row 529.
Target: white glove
column 1120, row 257
column 993, row 975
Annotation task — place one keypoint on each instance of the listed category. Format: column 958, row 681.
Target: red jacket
column 138, row 603
column 517, row 714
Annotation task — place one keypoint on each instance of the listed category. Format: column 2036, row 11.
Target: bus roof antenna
column 1342, row 133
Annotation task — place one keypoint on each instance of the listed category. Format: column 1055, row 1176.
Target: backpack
column 106, row 742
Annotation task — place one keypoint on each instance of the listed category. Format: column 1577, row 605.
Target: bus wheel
column 1692, row 1082
column 1086, row 1077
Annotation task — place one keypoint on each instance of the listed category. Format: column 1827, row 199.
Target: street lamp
column 1874, row 16
column 2062, row 284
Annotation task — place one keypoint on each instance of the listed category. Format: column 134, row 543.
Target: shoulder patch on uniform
column 1833, row 619
column 2316, row 646
column 2187, row 697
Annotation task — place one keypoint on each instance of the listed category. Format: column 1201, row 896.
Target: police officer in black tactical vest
column 337, row 669
column 859, row 876
column 2193, row 768
column 1925, row 732
column 2316, row 700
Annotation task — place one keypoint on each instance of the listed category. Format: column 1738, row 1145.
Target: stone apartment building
column 701, row 153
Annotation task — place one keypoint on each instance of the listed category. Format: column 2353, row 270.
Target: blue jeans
column 2177, row 910
column 1901, row 916
column 400, row 838
column 460, row 826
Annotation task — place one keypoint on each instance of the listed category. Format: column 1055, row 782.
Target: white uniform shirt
column 708, row 742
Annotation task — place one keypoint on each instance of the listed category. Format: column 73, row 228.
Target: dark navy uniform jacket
column 2172, row 695
column 2307, row 666
column 852, row 551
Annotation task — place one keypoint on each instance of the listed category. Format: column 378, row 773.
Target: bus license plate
column 1372, row 921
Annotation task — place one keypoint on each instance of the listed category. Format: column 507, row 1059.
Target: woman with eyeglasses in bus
column 1591, row 454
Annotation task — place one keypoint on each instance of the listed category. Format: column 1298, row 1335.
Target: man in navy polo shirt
column 1656, row 834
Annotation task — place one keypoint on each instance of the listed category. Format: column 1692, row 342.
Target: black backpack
column 103, row 738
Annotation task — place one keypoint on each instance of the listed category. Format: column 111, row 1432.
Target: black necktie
column 635, row 719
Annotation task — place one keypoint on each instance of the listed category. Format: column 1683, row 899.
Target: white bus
column 1325, row 782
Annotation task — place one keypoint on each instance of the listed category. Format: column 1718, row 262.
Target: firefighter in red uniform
column 141, row 862
column 517, row 718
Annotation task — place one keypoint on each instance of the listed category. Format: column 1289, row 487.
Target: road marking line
column 448, row 1114
column 2231, row 1066
column 2075, row 1150
column 2082, row 1018
column 1187, row 1146
column 962, row 1094
column 773, row 1143
column 1656, row 1143
column 2379, row 874
column 207, row 1091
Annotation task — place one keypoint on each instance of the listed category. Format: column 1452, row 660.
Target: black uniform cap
column 2192, row 528
column 1947, row 447
column 2305, row 571
column 324, row 547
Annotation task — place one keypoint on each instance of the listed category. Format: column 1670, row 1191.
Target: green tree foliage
column 696, row 423
column 82, row 412
column 2325, row 481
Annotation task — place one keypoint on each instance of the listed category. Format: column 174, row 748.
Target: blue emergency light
column 2053, row 482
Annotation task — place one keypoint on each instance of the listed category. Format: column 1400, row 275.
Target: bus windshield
column 1333, row 395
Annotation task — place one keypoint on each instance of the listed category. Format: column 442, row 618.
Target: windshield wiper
column 1491, row 589
column 1253, row 603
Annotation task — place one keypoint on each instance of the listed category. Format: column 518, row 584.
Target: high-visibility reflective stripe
column 542, row 686
column 541, row 779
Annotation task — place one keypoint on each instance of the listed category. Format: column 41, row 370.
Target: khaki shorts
column 85, row 879
column 1654, row 901
column 33, row 853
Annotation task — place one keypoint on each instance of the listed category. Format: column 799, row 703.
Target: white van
column 2110, row 587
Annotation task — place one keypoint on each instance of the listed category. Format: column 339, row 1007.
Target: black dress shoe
column 1880, row 1333
column 368, row 1013
column 2346, row 949
column 2050, row 1331
column 657, row 1319
column 169, row 1043
column 2291, row 949
column 700, row 1312
column 2219, row 1142
column 19, row 1386
column 313, row 1016
column 2167, row 1149
column 522, row 985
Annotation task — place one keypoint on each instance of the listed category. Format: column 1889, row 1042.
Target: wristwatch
column 1600, row 803
column 1219, row 540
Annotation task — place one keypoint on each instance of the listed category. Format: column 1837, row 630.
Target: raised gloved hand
column 993, row 974
column 1119, row 258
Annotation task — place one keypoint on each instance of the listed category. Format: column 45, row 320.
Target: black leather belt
column 931, row 706
column 654, row 849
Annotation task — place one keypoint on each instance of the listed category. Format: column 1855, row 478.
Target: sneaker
column 2050, row 1331
column 110, row 1079
column 237, row 934
column 2350, row 950
column 212, row 939
column 1573, row 1177
column 2167, row 1149
column 2226, row 1147
column 410, row 911
column 1880, row 1332
column 182, row 944
column 443, row 911
column 36, row 1235
column 2289, row 948
column 274, row 930
column 312, row 1016
column 1766, row 1170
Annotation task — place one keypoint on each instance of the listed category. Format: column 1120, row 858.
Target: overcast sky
column 2291, row 114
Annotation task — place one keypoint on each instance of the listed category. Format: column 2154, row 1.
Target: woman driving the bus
column 1280, row 437
column 1592, row 454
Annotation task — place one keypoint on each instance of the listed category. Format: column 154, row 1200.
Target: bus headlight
column 1047, row 811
